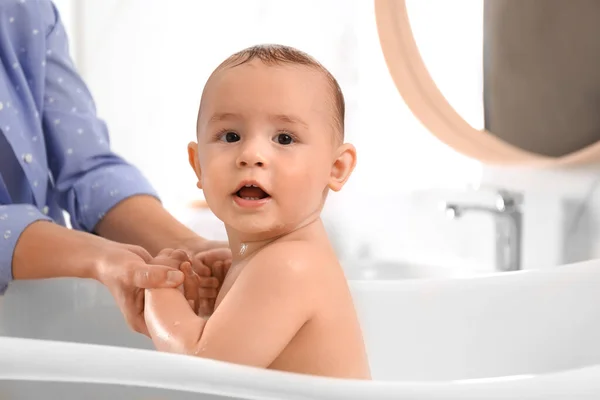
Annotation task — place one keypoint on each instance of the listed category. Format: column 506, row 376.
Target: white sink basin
column 393, row 270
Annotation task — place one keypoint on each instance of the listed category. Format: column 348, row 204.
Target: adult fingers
column 200, row 269
column 226, row 266
column 138, row 325
column 154, row 276
column 168, row 261
column 208, row 282
column 165, row 252
column 209, row 257
column 133, row 311
column 207, row 293
column 140, row 321
column 218, row 272
column 177, row 254
column 141, row 252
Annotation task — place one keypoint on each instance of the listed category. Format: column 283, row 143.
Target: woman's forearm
column 143, row 221
column 173, row 325
column 48, row 250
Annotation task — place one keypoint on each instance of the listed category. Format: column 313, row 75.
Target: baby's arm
column 171, row 319
column 270, row 301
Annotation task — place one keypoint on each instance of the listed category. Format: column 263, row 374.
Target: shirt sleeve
column 89, row 177
column 14, row 218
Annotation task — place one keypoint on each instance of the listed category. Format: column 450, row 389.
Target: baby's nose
column 243, row 163
column 252, row 156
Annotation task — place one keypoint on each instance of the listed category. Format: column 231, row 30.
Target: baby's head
column 270, row 140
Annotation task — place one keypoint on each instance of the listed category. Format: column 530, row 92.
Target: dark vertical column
column 542, row 73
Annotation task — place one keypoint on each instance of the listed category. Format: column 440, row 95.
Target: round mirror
column 501, row 81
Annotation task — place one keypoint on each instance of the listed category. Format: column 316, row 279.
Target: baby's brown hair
column 274, row 54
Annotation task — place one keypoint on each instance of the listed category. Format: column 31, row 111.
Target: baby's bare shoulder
column 292, row 259
column 292, row 270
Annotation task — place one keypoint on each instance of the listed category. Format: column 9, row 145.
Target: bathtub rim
column 32, row 360
column 588, row 266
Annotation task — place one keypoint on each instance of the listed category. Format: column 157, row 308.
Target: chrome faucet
column 508, row 220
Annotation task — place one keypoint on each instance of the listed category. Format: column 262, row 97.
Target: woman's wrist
column 143, row 221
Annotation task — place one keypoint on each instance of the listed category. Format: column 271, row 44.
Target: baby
column 270, row 146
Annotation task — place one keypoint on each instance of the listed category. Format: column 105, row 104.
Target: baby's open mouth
column 251, row 192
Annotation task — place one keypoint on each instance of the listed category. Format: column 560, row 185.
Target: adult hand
column 126, row 270
column 191, row 290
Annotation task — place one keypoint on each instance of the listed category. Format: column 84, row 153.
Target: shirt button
column 28, row 158
column 45, row 210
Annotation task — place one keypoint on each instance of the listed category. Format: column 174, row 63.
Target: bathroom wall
column 146, row 64
column 563, row 210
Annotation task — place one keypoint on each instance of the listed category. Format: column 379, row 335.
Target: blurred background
column 146, row 62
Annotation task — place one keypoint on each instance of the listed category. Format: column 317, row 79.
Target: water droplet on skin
column 164, row 336
column 200, row 350
column 243, row 249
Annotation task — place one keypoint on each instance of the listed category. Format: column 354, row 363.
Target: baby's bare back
column 330, row 343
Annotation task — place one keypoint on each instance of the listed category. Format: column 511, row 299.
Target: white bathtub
column 522, row 335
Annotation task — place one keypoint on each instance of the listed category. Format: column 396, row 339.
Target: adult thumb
column 157, row 276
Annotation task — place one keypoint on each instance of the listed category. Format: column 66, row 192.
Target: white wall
column 146, row 62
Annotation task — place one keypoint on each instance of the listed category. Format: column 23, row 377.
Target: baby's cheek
column 214, row 193
column 310, row 196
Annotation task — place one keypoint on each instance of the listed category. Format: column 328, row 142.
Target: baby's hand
column 211, row 267
column 211, row 279
column 180, row 260
column 191, row 286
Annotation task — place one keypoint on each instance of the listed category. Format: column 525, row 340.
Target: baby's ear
column 194, row 163
column 342, row 167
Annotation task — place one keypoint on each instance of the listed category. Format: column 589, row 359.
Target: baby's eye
column 284, row 138
column 230, row 137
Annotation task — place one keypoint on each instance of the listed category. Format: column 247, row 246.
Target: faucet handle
column 508, row 199
column 505, row 198
column 515, row 196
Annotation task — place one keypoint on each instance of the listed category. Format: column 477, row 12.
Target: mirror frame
column 428, row 104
